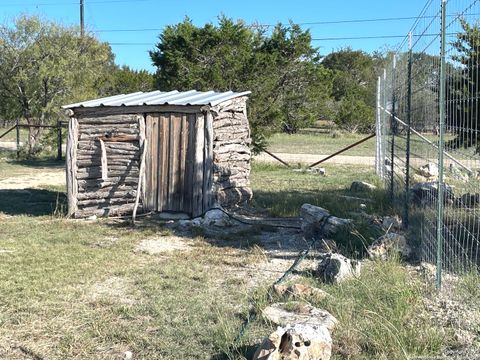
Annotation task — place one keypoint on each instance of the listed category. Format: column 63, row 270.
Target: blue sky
column 101, row 15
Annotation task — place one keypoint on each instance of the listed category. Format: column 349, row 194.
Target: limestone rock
column 216, row 217
column 317, row 222
column 427, row 193
column 335, row 268
column 429, row 170
column 392, row 223
column 361, row 186
column 127, row 355
column 469, row 200
column 389, row 244
column 319, row 171
column 299, row 313
column 300, row 291
column 297, row 342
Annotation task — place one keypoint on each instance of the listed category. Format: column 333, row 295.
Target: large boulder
column 469, row 200
column 296, row 342
column 216, row 217
column 283, row 314
column 361, row 186
column 389, row 244
column 335, row 268
column 427, row 192
column 317, row 222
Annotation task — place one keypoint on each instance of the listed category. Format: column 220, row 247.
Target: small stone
column 361, row 186
column 319, row 171
column 335, row 268
column 429, row 170
column 388, row 244
column 127, row 355
column 363, row 206
column 296, row 342
column 299, row 313
column 392, row 223
column 91, row 218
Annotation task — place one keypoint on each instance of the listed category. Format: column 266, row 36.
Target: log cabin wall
column 231, row 152
column 103, row 160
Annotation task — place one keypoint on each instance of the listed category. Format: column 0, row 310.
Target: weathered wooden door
column 170, row 162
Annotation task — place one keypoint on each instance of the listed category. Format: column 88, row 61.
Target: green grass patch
column 321, row 143
column 380, row 315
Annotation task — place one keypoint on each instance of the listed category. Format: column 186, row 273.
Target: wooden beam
column 343, row 150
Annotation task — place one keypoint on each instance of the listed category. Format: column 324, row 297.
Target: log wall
column 113, row 193
column 231, row 152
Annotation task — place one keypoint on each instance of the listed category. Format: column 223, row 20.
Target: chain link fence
column 428, row 140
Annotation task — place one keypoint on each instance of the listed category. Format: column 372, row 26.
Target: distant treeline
column 44, row 65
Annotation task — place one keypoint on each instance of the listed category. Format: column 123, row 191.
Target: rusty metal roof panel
column 175, row 97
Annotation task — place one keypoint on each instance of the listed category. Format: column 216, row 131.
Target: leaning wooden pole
column 143, row 147
column 343, row 150
column 276, row 158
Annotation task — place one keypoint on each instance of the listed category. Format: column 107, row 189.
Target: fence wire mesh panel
column 428, row 133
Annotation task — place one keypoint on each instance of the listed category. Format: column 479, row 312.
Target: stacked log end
column 115, row 194
column 231, row 153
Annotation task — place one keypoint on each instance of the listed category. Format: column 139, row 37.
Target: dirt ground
column 35, row 180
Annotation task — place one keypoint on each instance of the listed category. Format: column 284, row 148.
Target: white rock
column 389, row 244
column 429, row 170
column 361, row 186
column 319, row 171
column 296, row 342
column 216, row 217
column 127, row 355
column 392, row 223
column 301, row 313
column 317, row 222
column 335, row 268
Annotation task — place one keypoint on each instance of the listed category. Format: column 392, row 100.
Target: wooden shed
column 183, row 152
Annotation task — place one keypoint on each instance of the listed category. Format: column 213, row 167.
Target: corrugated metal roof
column 157, row 97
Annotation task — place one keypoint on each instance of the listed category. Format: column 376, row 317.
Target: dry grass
column 80, row 290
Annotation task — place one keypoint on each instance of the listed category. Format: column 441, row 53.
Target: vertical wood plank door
column 170, row 162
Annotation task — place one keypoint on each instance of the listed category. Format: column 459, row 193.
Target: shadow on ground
column 32, row 202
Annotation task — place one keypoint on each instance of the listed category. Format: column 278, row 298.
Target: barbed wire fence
column 427, row 147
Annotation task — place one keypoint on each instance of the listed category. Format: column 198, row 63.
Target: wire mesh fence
column 428, row 140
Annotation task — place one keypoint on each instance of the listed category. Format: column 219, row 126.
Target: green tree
column 289, row 86
column 124, row 80
column 463, row 88
column 44, row 65
column 353, row 89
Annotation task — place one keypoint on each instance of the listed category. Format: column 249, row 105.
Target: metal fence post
column 378, row 132
column 393, row 130
column 441, row 145
column 409, row 119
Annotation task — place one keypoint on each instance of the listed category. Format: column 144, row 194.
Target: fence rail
column 59, row 126
column 428, row 139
